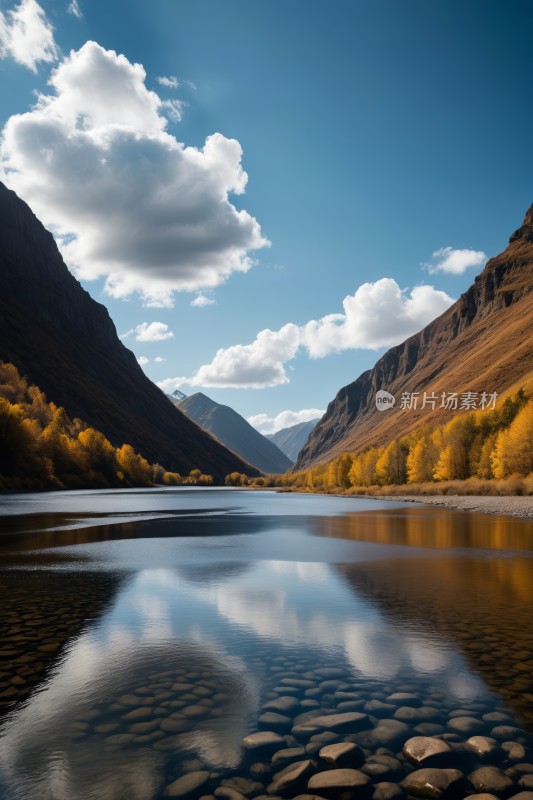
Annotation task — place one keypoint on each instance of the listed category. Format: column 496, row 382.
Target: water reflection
column 438, row 528
column 149, row 678
column 482, row 605
column 166, row 635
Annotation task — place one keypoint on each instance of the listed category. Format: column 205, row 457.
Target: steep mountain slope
column 483, row 342
column 291, row 440
column 232, row 430
column 66, row 343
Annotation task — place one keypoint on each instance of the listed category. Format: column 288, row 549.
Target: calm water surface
column 144, row 632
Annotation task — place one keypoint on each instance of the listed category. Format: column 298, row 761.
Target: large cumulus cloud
column 127, row 201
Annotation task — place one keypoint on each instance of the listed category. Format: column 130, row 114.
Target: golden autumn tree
column 422, row 460
column 391, row 466
column 513, row 452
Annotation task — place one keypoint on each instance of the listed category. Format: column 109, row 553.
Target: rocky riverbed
column 319, row 733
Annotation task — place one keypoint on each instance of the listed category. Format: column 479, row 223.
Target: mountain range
column 66, row 343
column 234, row 432
column 482, row 343
column 291, row 440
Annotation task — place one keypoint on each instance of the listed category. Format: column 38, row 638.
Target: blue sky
column 373, row 134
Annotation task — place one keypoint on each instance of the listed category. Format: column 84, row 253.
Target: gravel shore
column 513, row 505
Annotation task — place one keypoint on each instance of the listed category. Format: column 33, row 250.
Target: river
column 146, row 633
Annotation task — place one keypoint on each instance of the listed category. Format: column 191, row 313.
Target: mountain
column 232, row 430
column 481, row 343
column 291, row 440
column 65, row 342
column 177, row 395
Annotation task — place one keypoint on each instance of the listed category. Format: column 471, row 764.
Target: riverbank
column 511, row 506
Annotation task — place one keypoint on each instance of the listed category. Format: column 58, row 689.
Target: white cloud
column 170, row 81
column 169, row 385
column 285, row 419
column 125, row 199
column 27, row 36
column 247, row 366
column 174, row 109
column 202, row 300
column 455, row 262
column 150, row 332
column 74, row 9
column 159, row 360
column 142, row 360
column 377, row 315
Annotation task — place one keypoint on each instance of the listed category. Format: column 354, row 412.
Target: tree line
column 42, row 448
column 488, row 444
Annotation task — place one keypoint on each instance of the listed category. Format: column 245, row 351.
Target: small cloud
column 26, row 35
column 170, row 81
column 74, row 9
column 142, row 360
column 174, row 109
column 455, row 262
column 170, row 385
column 150, row 332
column 201, row 300
column 285, row 419
column 159, row 360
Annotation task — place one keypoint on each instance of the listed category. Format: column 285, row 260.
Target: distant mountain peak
column 230, row 428
column 178, row 395
column 525, row 231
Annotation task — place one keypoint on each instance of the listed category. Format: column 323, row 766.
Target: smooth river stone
column 245, row 786
column 485, row 749
column 484, row 796
column 404, row 699
column 433, row 783
column 379, row 709
column 343, row 782
column 424, row 751
column 275, row 721
column 383, row 768
column 342, row 754
column 292, row 776
column 189, row 784
column 263, row 740
column 288, row 755
column 390, row 733
column 299, row 682
column 491, row 780
column 228, row 793
column 144, row 712
column 283, row 705
column 388, row 791
column 349, row 722
column 466, row 725
column 330, row 672
column 514, row 750
column 194, row 711
column 505, row 732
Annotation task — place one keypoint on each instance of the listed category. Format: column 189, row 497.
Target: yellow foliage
column 40, row 447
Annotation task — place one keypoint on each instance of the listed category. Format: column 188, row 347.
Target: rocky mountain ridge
column 481, row 343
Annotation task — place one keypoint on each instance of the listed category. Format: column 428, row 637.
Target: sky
column 268, row 195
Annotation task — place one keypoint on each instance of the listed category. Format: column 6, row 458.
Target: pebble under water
column 225, row 644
